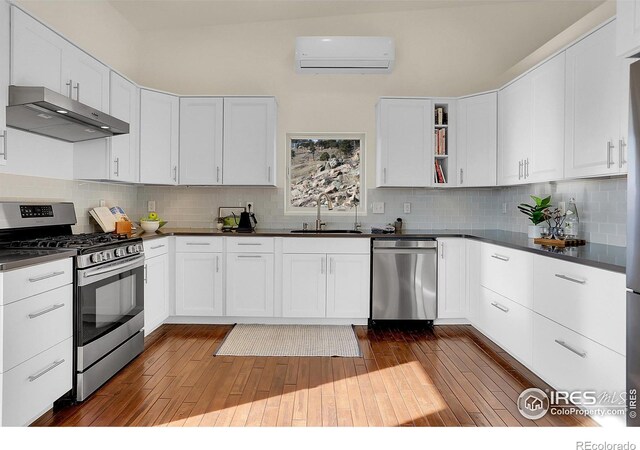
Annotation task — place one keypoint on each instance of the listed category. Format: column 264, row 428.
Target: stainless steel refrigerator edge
column 633, row 249
column 404, row 281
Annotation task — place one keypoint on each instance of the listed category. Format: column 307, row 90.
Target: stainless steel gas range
column 108, row 284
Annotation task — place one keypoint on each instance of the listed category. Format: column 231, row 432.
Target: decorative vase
column 556, row 233
column 534, row 231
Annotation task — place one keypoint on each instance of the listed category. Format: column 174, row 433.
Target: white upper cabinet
column 40, row 57
column 404, row 137
column 201, row 141
column 596, row 106
column 628, row 27
column 5, row 40
column 125, row 105
column 159, row 122
column 477, row 130
column 531, row 125
column 249, row 141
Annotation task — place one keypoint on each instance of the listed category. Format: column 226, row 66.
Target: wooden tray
column 559, row 242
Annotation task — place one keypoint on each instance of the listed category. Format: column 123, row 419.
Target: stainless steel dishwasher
column 404, row 280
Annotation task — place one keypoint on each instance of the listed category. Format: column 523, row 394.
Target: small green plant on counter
column 535, row 213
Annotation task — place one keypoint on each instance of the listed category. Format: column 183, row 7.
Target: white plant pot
column 534, row 231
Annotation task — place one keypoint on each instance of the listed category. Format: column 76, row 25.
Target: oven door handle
column 114, row 268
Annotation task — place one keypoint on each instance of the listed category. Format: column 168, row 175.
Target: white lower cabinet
column 199, row 284
column 304, row 288
column 348, row 286
column 506, row 322
column 249, row 284
column 156, row 292
column 452, row 293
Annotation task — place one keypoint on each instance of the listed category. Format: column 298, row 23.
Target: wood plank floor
column 448, row 376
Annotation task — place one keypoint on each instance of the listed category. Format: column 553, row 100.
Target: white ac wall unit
column 344, row 54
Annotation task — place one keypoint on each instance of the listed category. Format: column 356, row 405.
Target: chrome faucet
column 319, row 223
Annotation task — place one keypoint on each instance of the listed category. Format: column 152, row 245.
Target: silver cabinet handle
column 461, row 176
column 45, row 370
column 198, row 243
column 175, row 173
column 384, row 175
column 249, row 256
column 249, row 243
column 146, row 274
column 4, row 148
column 269, row 174
column 217, row 174
column 570, row 348
column 575, row 280
column 500, row 307
column 77, row 88
column 500, row 257
column 322, row 266
column 526, row 168
column 622, row 144
column 157, row 246
column 330, row 266
column 44, row 277
column 519, row 169
column 609, row 151
column 442, row 250
column 217, row 263
column 70, row 89
column 45, row 311
column 116, row 167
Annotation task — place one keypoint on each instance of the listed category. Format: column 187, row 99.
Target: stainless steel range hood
column 42, row 111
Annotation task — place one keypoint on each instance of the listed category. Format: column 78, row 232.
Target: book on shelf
column 440, row 178
column 440, row 141
column 440, row 116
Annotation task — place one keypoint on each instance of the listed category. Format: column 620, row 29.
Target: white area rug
column 290, row 340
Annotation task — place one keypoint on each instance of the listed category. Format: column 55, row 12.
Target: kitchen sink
column 328, row 231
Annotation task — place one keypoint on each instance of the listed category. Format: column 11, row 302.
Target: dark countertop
column 16, row 258
column 602, row 256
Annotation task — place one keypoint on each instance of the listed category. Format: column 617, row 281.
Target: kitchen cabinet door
column 452, row 280
column 5, row 39
column 159, row 123
column 249, row 284
column 304, row 285
column 592, row 108
column 156, row 292
column 201, row 141
column 545, row 159
column 86, row 77
column 199, row 284
column 404, row 137
column 36, row 53
column 249, row 155
column 473, row 279
column 348, row 284
column 125, row 105
column 627, row 27
column 514, row 131
column 477, row 140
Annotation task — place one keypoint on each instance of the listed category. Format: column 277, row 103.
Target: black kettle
column 245, row 224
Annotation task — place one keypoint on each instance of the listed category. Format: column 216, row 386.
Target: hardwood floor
column 448, row 376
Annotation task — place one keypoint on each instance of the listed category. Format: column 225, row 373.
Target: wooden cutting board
column 559, row 242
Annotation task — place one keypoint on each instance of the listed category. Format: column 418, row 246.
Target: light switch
column 151, row 206
column 378, row 207
column 407, row 208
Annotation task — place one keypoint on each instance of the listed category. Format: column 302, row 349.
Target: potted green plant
column 535, row 213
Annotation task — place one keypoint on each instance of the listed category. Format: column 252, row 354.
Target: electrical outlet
column 504, row 208
column 377, row 207
column 250, row 206
column 151, row 206
column 562, row 206
column 103, row 203
column 407, row 208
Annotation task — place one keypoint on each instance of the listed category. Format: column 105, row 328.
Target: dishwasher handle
column 405, row 251
column 387, row 245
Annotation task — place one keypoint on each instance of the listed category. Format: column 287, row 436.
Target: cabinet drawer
column 34, row 324
column 250, row 245
column 508, row 272
column 569, row 361
column 28, row 281
column 326, row 245
column 32, row 387
column 198, row 244
column 506, row 322
column 156, row 247
column 587, row 300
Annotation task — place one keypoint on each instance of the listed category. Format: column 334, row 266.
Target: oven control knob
column 139, row 248
column 131, row 249
column 120, row 252
column 107, row 256
column 96, row 257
